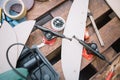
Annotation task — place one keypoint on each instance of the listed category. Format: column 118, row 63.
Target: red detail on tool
column 86, row 36
column 86, row 55
column 110, row 75
column 49, row 42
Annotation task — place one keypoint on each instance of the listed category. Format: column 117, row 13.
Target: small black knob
column 49, row 36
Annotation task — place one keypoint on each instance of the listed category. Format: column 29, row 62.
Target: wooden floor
column 107, row 22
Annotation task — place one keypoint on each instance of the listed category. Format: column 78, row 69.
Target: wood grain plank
column 110, row 33
column 41, row 8
column 109, row 54
column 58, row 68
column 62, row 10
column 97, row 12
column 97, row 8
column 101, row 75
column 84, row 61
column 36, row 36
column 97, row 63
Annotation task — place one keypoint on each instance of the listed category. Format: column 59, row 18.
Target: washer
column 58, row 23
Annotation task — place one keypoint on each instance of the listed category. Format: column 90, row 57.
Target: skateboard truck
column 55, row 34
column 94, row 52
column 49, row 38
column 87, row 53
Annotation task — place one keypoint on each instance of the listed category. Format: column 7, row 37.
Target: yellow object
column 9, row 3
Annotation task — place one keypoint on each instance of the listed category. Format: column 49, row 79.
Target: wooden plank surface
column 62, row 10
column 97, row 7
column 108, row 27
column 101, row 75
column 97, row 63
column 36, row 36
column 110, row 33
column 58, row 68
column 41, row 8
column 109, row 54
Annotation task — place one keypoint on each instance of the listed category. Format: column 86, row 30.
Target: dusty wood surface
column 98, row 63
column 41, row 8
column 58, row 68
column 109, row 32
column 35, row 37
column 116, row 72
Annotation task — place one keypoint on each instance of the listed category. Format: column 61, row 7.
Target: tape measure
column 58, row 23
column 7, row 8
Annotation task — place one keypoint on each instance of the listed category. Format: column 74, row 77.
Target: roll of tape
column 58, row 23
column 7, row 7
column 28, row 5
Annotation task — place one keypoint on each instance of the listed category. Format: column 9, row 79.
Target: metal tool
column 92, row 50
column 95, row 28
column 110, row 74
column 54, row 33
column 58, row 23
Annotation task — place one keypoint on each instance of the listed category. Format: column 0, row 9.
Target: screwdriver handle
column 109, row 76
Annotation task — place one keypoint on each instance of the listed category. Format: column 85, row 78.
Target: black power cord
column 11, row 64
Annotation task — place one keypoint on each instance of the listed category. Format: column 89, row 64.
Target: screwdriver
column 95, row 28
column 54, row 33
column 92, row 50
column 110, row 75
